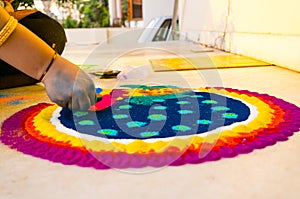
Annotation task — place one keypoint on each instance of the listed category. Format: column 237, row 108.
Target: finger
column 60, row 103
column 92, row 97
column 92, row 93
column 70, row 104
column 84, row 103
column 75, row 104
column 81, row 103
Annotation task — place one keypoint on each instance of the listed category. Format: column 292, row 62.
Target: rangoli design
column 137, row 126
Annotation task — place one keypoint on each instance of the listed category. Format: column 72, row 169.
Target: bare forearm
column 24, row 50
column 65, row 83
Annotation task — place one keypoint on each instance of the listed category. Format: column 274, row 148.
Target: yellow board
column 205, row 62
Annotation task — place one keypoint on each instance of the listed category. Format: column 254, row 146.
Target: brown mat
column 205, row 62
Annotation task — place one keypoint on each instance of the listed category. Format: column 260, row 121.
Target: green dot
column 125, row 107
column 160, row 107
column 204, row 122
column 185, row 112
column 110, row 132
column 86, row 122
column 158, row 100
column 220, row 108
column 149, row 134
column 197, row 96
column 136, row 124
column 120, row 116
column 80, row 113
column 229, row 115
column 181, row 128
column 157, row 117
column 209, row 102
column 183, row 102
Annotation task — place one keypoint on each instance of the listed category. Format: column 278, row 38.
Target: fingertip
column 84, row 103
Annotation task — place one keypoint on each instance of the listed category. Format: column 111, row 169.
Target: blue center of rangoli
column 191, row 113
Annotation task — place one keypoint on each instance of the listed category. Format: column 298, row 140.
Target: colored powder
column 110, row 132
column 136, row 124
column 160, row 107
column 209, row 102
column 230, row 115
column 120, row 116
column 185, row 112
column 203, row 121
column 125, row 107
column 157, row 117
column 86, row 122
column 196, row 96
column 149, row 134
column 220, row 108
column 181, row 128
column 80, row 113
column 183, row 102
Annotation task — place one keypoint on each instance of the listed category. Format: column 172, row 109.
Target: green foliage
column 65, row 1
column 30, row 3
column 26, row 3
column 95, row 14
column 70, row 23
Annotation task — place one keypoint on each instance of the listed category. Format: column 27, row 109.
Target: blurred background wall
column 264, row 29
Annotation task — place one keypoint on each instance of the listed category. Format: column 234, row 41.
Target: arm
column 33, row 54
column 65, row 83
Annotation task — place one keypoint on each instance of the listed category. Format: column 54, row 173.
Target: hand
column 68, row 86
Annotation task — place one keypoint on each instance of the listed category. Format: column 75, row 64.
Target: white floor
column 272, row 172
